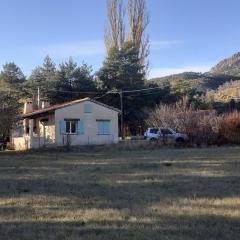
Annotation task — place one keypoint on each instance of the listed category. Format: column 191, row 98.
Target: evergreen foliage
column 9, row 109
column 122, row 69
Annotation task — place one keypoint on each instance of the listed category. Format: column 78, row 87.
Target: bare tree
column 138, row 22
column 115, row 33
column 115, row 30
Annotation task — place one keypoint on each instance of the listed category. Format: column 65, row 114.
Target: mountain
column 228, row 66
column 226, row 92
column 200, row 81
column 225, row 71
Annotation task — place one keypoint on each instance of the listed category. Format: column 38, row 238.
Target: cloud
column 87, row 48
column 157, row 45
column 162, row 72
column 74, row 49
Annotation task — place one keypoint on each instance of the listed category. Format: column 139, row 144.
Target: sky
column 185, row 35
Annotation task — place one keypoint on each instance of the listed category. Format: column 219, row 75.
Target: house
column 81, row 122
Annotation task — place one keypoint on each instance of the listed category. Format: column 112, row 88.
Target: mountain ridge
column 228, row 66
column 225, row 71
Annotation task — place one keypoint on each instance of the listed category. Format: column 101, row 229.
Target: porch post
column 30, row 133
column 25, row 126
column 31, row 127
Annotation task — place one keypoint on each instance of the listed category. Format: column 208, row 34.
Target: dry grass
column 160, row 194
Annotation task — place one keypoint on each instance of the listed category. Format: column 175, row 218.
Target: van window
column 154, row 130
column 166, row 131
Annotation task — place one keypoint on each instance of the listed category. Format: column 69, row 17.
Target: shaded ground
column 160, row 194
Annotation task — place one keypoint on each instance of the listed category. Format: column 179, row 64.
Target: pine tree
column 11, row 77
column 9, row 110
column 73, row 81
column 122, row 69
column 43, row 77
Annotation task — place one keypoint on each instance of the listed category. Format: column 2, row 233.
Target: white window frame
column 71, row 121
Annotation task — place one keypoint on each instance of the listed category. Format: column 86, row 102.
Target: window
column 166, row 131
column 87, row 108
column 71, row 126
column 103, row 127
column 154, row 130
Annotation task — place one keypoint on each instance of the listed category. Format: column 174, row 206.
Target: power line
column 141, row 90
column 103, row 95
column 144, row 94
column 77, row 92
column 147, row 94
column 109, row 92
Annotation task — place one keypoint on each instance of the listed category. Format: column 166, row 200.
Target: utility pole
column 121, row 103
column 38, row 97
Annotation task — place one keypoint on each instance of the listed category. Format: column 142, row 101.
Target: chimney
column 28, row 106
column 45, row 104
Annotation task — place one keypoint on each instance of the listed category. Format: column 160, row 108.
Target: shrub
column 230, row 127
column 201, row 126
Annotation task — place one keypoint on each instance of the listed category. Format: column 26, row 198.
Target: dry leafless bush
column 202, row 127
column 230, row 127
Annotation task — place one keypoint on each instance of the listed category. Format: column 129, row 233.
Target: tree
column 43, row 77
column 122, row 69
column 12, row 74
column 9, row 110
column 232, row 105
column 73, row 81
column 138, row 21
column 115, row 30
column 12, row 80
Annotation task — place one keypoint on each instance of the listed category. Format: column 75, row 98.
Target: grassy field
column 159, row 194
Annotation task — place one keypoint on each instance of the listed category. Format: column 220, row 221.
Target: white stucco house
column 80, row 122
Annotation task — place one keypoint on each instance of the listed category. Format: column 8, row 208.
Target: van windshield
column 154, row 130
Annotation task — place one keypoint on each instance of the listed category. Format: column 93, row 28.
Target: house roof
column 58, row 106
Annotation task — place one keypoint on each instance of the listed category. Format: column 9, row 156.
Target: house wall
column 90, row 136
column 21, row 143
column 35, row 139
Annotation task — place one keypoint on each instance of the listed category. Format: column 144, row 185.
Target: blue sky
column 185, row 35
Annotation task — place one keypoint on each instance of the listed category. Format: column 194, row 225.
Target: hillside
column 226, row 92
column 225, row 71
column 229, row 66
column 200, row 81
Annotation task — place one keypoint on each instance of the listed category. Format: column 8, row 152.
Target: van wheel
column 180, row 142
column 153, row 140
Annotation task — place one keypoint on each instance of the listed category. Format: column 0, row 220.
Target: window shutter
column 88, row 108
column 100, row 127
column 62, row 127
column 106, row 127
column 103, row 127
column 80, row 127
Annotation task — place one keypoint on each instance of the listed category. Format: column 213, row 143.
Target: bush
column 201, row 126
column 230, row 127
